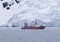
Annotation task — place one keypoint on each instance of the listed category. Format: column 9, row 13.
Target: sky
column 44, row 10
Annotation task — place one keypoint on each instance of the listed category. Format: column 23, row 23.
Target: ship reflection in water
column 35, row 26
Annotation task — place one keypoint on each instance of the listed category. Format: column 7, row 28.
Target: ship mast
column 36, row 22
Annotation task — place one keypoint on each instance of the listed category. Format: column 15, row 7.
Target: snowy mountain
column 21, row 11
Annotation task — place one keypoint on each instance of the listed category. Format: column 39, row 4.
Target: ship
column 35, row 26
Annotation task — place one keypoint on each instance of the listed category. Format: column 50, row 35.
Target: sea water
column 16, row 34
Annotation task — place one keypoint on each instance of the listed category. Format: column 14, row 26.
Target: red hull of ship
column 32, row 27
